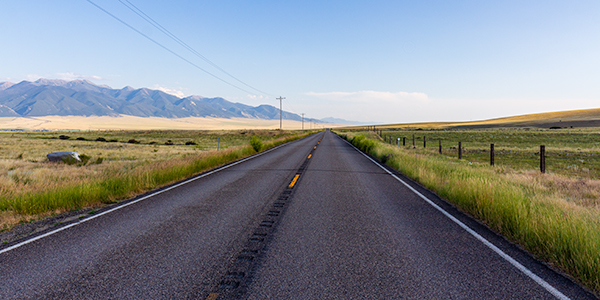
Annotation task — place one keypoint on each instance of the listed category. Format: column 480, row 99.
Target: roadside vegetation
column 115, row 165
column 570, row 152
column 555, row 216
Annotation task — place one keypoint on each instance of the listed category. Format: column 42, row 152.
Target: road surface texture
column 313, row 219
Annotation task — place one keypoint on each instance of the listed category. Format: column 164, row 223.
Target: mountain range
column 48, row 97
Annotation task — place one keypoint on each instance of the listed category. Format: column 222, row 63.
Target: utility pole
column 280, row 111
column 302, row 121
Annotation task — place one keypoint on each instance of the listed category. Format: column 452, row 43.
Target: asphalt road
column 282, row 226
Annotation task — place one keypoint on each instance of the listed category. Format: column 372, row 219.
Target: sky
column 368, row 61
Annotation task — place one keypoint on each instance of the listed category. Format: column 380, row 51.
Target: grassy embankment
column 553, row 216
column 134, row 162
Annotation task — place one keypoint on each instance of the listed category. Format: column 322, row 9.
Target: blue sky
column 378, row 61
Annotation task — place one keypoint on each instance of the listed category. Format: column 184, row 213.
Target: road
column 313, row 219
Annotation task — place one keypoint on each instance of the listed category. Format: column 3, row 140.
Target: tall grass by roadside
column 543, row 220
column 119, row 183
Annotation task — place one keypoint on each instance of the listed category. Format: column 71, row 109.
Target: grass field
column 570, row 152
column 120, row 164
column 555, row 216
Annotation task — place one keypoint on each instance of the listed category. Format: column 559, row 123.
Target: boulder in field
column 67, row 157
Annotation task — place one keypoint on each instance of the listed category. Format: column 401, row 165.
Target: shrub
column 80, row 139
column 84, row 159
column 64, row 137
column 133, row 141
column 100, row 139
column 256, row 143
column 362, row 143
column 190, row 143
column 169, row 143
column 70, row 160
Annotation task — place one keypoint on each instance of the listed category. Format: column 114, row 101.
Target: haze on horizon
column 381, row 61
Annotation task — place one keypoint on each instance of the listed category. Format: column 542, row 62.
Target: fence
column 391, row 140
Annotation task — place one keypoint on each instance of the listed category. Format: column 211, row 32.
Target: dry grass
column 573, row 191
column 31, row 187
column 139, row 123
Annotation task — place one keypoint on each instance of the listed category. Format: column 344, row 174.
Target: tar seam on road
column 238, row 275
column 133, row 202
column 508, row 258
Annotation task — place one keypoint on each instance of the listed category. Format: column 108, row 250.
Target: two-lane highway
column 309, row 220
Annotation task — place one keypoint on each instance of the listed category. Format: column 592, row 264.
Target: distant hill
column 342, row 121
column 46, row 97
column 560, row 119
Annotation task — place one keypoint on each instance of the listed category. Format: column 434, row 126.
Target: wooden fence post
column 424, row 142
column 491, row 154
column 440, row 146
column 459, row 150
column 414, row 141
column 543, row 158
column 403, row 141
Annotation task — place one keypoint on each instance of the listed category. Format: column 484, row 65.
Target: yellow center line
column 294, row 181
column 212, row 296
column 309, row 156
column 315, row 147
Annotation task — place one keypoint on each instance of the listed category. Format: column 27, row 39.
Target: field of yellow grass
column 150, row 123
column 121, row 164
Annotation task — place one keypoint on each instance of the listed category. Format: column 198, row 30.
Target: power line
column 153, row 22
column 169, row 50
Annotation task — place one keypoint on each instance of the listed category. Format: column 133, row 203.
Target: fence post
column 218, row 142
column 543, row 158
column 414, row 141
column 491, row 154
column 440, row 146
column 424, row 142
column 459, row 150
column 398, row 142
column 403, row 141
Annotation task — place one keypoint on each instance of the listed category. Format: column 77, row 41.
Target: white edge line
column 135, row 201
column 507, row 257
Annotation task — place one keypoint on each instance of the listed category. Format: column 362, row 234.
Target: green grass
column 572, row 152
column 525, row 211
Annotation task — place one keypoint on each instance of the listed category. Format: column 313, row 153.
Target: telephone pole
column 280, row 111
column 302, row 121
